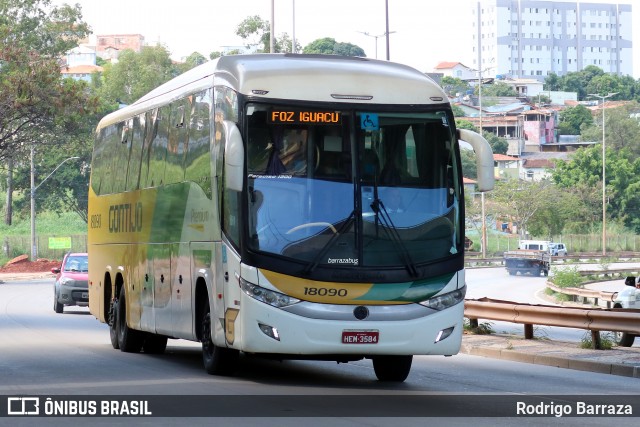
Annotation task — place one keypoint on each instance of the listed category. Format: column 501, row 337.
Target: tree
column 520, row 200
column 583, row 174
column 135, row 74
column 468, row 161
column 453, row 85
column 497, row 89
column 32, row 37
column 192, row 61
column 329, row 46
column 498, row 145
column 572, row 119
column 457, row 111
column 622, row 131
column 37, row 106
column 552, row 82
column 256, row 32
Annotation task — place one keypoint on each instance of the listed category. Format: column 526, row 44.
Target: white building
column 456, row 70
column 80, row 63
column 533, row 38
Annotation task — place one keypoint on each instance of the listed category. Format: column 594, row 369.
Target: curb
column 556, row 354
column 10, row 277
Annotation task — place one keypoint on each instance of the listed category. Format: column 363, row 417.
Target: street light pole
column 386, row 31
column 34, row 247
column 604, row 200
column 376, row 37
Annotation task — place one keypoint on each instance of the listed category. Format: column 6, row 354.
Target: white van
column 554, row 248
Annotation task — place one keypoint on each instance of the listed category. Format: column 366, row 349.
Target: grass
column 49, row 223
column 607, row 341
column 17, row 236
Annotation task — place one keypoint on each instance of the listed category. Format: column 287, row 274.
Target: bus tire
column 154, row 344
column 129, row 340
column 624, row 339
column 216, row 360
column 113, row 324
column 392, row 368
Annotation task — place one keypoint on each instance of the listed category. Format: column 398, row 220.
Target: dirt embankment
column 22, row 264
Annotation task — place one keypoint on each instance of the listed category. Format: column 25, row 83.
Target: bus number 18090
column 325, row 292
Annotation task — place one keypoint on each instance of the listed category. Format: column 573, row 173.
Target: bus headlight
column 275, row 299
column 447, row 300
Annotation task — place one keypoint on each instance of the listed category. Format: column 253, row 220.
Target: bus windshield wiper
column 316, row 260
column 392, row 232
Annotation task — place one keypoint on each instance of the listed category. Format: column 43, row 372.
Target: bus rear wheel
column 129, row 340
column 113, row 324
column 217, row 360
column 392, row 368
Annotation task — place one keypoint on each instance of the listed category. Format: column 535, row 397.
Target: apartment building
column 533, row 38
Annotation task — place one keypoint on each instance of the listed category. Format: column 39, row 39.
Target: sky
column 422, row 33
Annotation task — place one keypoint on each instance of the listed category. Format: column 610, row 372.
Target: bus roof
column 320, row 78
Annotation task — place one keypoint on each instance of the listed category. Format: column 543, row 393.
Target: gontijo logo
column 125, row 218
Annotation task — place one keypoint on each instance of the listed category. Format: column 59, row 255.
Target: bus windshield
column 352, row 188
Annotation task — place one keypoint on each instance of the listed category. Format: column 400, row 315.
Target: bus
column 284, row 206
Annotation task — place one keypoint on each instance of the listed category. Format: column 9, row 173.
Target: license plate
column 360, row 337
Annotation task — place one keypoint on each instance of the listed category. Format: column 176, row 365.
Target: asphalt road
column 47, row 354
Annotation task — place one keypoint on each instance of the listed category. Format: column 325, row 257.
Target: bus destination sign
column 305, row 117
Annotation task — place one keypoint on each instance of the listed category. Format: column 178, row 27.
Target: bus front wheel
column 392, row 368
column 217, row 360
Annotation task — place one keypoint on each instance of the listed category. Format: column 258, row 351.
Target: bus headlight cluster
column 450, row 299
column 275, row 299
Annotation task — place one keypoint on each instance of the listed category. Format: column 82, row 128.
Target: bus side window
column 107, row 162
column 197, row 163
column 178, row 134
column 135, row 152
column 121, row 157
column 97, row 162
column 158, row 153
column 135, row 155
column 150, row 130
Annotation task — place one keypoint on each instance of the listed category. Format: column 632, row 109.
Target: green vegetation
column 484, row 328
column 17, row 237
column 567, row 278
column 606, row 341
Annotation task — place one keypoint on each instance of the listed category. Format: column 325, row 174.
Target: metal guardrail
column 608, row 272
column 605, row 296
column 594, row 320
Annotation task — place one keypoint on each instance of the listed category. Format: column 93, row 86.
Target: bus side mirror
column 484, row 158
column 233, row 157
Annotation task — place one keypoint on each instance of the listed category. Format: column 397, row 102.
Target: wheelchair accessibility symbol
column 369, row 121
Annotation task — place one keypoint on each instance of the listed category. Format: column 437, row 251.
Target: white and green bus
column 285, row 206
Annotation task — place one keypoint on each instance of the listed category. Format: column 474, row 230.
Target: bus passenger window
column 159, row 150
column 133, row 171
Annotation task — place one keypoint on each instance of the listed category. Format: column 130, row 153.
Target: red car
column 72, row 282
